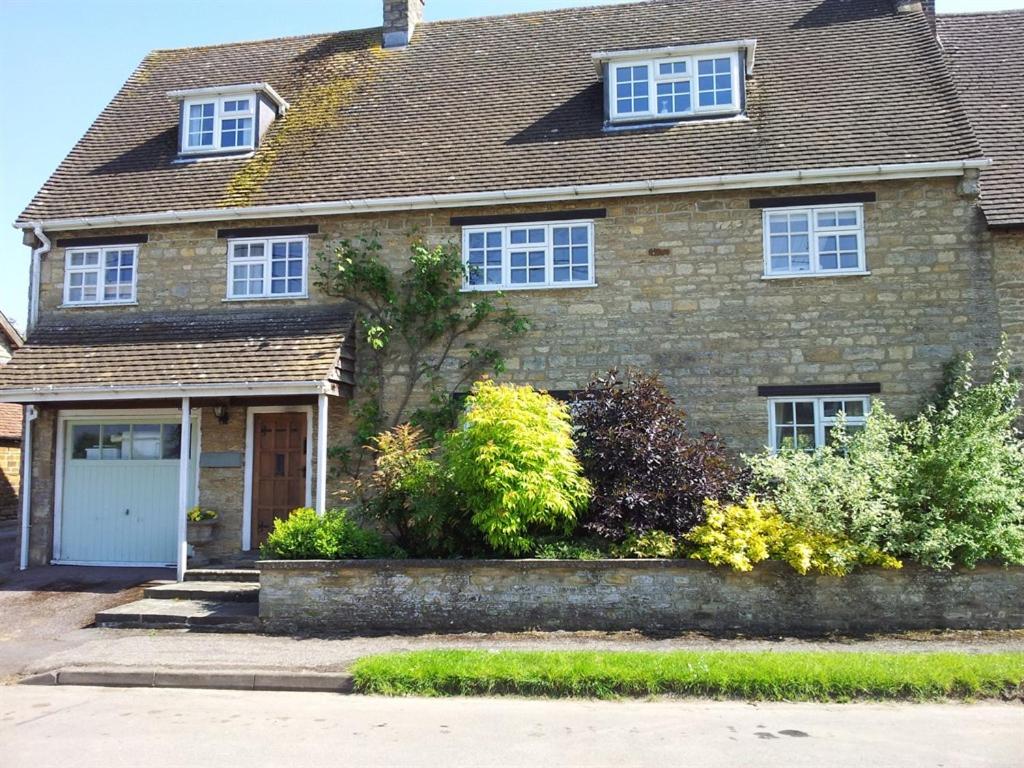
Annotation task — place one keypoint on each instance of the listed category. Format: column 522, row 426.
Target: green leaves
column 512, row 463
column 305, row 535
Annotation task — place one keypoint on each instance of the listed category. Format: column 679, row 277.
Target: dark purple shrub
column 648, row 473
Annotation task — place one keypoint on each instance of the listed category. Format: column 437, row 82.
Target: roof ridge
column 966, row 14
column 548, row 12
column 285, row 38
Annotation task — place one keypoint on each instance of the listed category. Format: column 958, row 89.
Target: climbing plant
column 419, row 332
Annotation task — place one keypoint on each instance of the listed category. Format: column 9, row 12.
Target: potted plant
column 200, row 525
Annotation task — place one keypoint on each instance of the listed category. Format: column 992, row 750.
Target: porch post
column 321, row 454
column 183, row 465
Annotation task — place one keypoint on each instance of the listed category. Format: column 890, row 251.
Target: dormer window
column 675, row 83
column 226, row 120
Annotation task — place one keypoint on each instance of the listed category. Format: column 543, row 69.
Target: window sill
column 613, row 125
column 504, row 288
column 199, row 157
column 803, row 276
column 293, row 297
column 96, row 304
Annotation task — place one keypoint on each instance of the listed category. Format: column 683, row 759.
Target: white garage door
column 119, row 500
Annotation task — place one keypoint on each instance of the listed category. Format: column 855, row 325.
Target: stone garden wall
column 647, row 595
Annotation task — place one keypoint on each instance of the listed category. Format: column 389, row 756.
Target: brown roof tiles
column 985, row 53
column 160, row 349
column 514, row 102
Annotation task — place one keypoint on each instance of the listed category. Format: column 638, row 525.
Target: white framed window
column 101, row 275
column 219, row 124
column 94, row 441
column 805, row 423
column 675, row 87
column 267, row 267
column 519, row 256
column 814, row 240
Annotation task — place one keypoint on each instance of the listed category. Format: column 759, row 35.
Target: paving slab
column 153, row 612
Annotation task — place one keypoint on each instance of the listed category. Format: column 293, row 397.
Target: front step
column 223, row 574
column 153, row 613
column 221, row 591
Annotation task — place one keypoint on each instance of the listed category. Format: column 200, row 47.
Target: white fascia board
column 167, row 391
column 749, row 45
column 227, row 90
column 857, row 173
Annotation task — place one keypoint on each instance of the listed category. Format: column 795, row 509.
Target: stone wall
column 657, row 596
column 10, row 480
column 1008, row 248
column 680, row 291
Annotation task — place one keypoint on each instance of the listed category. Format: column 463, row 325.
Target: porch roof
column 284, row 351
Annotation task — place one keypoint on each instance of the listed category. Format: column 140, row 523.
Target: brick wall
column 10, row 480
column 671, row 595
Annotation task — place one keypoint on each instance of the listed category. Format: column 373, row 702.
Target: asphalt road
column 109, row 727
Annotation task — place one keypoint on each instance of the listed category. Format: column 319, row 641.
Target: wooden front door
column 279, row 468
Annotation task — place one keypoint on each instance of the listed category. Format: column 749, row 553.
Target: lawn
column 761, row 676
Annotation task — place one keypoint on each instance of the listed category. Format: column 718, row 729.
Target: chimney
column 400, row 20
column 927, row 7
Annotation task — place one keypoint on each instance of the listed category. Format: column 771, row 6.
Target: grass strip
column 761, row 676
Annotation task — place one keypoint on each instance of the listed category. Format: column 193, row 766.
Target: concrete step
column 221, row 591
column 222, row 574
column 150, row 613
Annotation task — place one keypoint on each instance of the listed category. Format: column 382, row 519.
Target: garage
column 117, row 498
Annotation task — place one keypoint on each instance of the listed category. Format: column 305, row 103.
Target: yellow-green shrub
column 740, row 535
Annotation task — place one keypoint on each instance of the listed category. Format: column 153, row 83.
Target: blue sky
column 64, row 59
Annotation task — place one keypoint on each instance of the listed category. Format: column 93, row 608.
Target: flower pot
column 200, row 531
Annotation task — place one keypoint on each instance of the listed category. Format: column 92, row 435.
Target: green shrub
column 741, row 535
column 413, row 499
column 568, row 550
column 512, row 463
column 651, row 544
column 849, row 488
column 965, row 501
column 305, row 535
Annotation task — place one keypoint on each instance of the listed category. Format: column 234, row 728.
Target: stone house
column 10, row 430
column 773, row 205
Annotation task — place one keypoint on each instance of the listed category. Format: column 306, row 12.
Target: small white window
column 814, row 240
column 219, row 124
column 267, row 268
column 806, row 423
column 681, row 87
column 100, row 275
column 518, row 256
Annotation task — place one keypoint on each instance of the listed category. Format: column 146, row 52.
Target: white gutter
column 26, row 482
column 165, row 391
column 749, row 45
column 33, row 288
column 857, row 173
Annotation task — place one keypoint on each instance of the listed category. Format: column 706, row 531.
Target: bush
column 849, row 488
column 568, row 550
column 647, row 473
column 305, row 535
column 944, row 488
column 965, row 500
column 741, row 535
column 512, row 463
column 653, row 544
column 413, row 500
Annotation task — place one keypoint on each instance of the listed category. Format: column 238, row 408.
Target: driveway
column 44, row 610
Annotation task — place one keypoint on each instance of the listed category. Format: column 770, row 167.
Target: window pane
column 783, row 413
column 631, row 89
column 805, row 413
column 145, row 442
column 115, row 441
column 171, row 441
column 85, row 441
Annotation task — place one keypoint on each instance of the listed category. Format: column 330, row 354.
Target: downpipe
column 30, row 415
column 33, row 289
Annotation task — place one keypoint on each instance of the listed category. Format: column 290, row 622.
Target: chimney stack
column 400, row 20
column 927, row 7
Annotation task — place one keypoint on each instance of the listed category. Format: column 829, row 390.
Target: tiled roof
column 10, row 333
column 10, row 421
column 515, row 102
column 149, row 349
column 985, row 52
